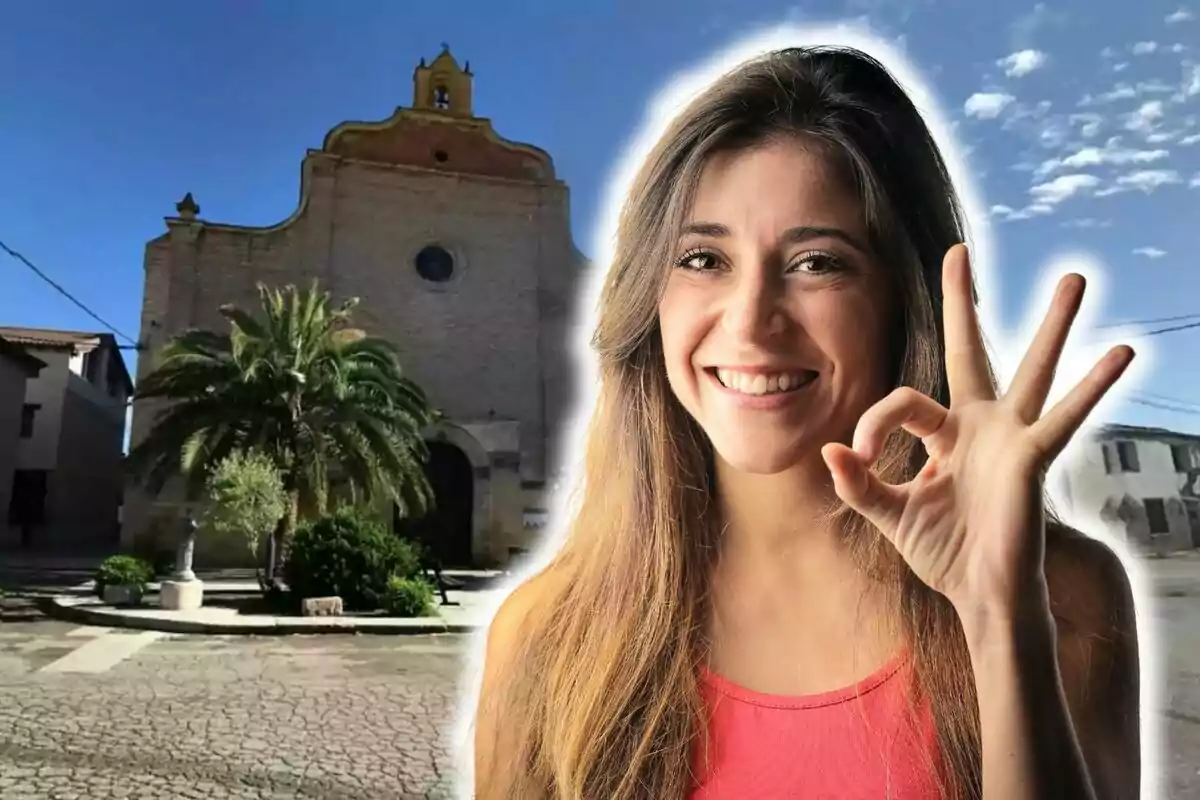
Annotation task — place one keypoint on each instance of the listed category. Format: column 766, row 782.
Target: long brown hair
column 603, row 699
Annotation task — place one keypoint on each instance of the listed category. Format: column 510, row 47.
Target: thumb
column 862, row 490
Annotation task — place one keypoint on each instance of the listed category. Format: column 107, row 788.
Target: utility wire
column 1148, row 321
column 1163, row 398
column 1155, row 332
column 1165, row 406
column 1169, row 330
column 65, row 293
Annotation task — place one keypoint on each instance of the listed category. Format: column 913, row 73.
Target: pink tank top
column 829, row 745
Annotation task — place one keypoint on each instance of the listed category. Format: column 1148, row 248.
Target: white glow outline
column 1077, row 358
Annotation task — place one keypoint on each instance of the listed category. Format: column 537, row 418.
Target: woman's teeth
column 760, row 383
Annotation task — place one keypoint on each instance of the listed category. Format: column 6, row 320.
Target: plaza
column 95, row 713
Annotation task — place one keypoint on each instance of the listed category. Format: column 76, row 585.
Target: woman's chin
column 766, row 460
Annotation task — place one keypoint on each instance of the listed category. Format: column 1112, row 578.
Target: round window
column 435, row 264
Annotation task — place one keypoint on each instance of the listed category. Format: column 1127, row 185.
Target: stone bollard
column 321, row 607
column 183, row 592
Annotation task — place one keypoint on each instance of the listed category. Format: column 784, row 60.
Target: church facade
column 457, row 242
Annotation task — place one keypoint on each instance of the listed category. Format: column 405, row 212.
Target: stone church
column 457, row 242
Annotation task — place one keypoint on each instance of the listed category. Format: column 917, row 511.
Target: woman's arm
column 1058, row 694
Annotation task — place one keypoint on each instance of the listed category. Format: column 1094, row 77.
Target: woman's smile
column 761, row 388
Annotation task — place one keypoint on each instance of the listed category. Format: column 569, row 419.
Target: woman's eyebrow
column 797, row 235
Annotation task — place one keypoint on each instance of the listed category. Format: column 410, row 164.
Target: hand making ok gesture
column 971, row 524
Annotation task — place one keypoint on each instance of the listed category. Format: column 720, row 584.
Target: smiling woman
column 813, row 558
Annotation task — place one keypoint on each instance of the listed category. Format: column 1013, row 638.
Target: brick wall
column 486, row 343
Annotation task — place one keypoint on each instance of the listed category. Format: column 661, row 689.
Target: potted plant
column 122, row 580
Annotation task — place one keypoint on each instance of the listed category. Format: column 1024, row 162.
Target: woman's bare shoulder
column 1090, row 590
column 509, row 626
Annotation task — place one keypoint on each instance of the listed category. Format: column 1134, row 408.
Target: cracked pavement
column 328, row 717
column 338, row 717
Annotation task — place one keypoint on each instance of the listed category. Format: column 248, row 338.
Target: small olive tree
column 246, row 498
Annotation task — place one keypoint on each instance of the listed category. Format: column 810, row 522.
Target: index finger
column 967, row 367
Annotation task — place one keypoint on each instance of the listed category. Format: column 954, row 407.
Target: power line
column 1148, row 321
column 65, row 293
column 1169, row 330
column 1155, row 332
column 1163, row 398
column 1165, row 406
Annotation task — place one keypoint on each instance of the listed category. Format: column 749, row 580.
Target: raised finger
column 906, row 408
column 966, row 357
column 1035, row 376
column 881, row 503
column 1054, row 430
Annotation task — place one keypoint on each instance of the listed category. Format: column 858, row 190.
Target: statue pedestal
column 181, row 595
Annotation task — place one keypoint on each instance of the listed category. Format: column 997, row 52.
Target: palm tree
column 327, row 402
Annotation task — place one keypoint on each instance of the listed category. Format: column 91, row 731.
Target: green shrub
column 348, row 555
column 246, row 498
column 123, row 571
column 409, row 597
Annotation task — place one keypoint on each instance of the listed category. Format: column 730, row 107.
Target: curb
column 270, row 626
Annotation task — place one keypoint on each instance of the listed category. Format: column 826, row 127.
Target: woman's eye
column 696, row 260
column 816, row 263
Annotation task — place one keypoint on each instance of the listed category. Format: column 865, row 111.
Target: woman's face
column 775, row 317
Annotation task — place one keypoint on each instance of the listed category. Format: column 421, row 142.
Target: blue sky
column 1082, row 121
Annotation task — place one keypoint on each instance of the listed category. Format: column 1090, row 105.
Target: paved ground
column 152, row 716
column 1179, row 633
column 93, row 714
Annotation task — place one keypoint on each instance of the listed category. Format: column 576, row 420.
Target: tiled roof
column 46, row 337
column 1142, row 432
column 14, row 352
column 51, row 338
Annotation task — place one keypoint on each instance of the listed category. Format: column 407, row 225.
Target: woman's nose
column 754, row 307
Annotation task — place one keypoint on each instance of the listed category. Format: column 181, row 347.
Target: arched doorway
column 446, row 529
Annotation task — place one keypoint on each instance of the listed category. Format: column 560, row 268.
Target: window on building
column 441, row 97
column 91, row 365
column 1127, row 457
column 28, row 416
column 1183, row 456
column 1106, row 452
column 1156, row 515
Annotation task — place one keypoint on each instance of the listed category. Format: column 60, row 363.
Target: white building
column 67, row 478
column 1141, row 482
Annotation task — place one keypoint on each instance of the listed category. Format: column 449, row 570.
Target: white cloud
column 1120, row 157
column 1087, row 222
column 1193, row 138
column 1161, row 137
column 1182, row 15
column 1061, row 188
column 1144, row 48
column 1143, row 180
column 987, row 105
column 1191, row 81
column 1089, row 123
column 1122, row 91
column 1022, row 62
column 1194, row 183
column 1096, row 156
column 1149, row 252
column 1053, row 136
column 1154, row 86
column 1009, row 214
column 1144, row 119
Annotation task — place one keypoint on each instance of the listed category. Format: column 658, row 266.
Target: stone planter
column 122, row 595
